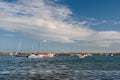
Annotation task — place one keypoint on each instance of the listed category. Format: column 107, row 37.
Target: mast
column 39, row 47
column 32, row 48
column 19, row 47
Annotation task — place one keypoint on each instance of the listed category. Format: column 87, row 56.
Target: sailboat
column 111, row 54
column 19, row 54
column 83, row 55
column 40, row 54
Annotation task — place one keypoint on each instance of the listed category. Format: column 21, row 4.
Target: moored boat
column 84, row 55
column 41, row 55
column 19, row 54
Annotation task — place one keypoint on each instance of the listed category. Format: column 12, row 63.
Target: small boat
column 83, row 55
column 21, row 55
column 11, row 54
column 18, row 54
column 111, row 54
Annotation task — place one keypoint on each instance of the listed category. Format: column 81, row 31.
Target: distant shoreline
column 67, row 52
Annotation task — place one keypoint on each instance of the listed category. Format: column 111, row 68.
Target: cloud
column 116, row 23
column 107, row 38
column 44, row 20
column 109, row 35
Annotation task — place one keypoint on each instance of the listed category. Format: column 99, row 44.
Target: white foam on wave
column 4, row 72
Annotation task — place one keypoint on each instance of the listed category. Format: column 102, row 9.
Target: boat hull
column 41, row 56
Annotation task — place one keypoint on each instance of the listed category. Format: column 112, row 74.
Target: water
column 60, row 68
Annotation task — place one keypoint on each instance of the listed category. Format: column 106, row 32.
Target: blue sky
column 60, row 25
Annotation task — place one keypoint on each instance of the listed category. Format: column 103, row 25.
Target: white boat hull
column 40, row 56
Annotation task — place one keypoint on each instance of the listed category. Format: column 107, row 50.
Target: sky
column 60, row 25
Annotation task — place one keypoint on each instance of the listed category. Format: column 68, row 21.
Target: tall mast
column 19, row 47
column 32, row 48
column 39, row 47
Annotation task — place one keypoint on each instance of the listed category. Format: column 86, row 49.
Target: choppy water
column 60, row 68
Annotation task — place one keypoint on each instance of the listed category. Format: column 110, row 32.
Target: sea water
column 60, row 68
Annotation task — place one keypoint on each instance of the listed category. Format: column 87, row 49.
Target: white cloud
column 109, row 35
column 42, row 20
column 107, row 38
column 47, row 21
column 116, row 22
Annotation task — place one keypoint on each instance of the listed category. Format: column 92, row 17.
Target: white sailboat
column 111, row 54
column 84, row 55
column 40, row 54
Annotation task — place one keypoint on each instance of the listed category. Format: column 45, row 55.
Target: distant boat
column 84, row 55
column 17, row 53
column 41, row 54
column 11, row 54
column 111, row 54
column 107, row 54
column 81, row 56
column 21, row 55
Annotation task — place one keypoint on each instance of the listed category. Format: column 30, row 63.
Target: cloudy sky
column 60, row 25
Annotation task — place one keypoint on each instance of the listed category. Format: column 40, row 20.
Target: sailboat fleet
column 45, row 55
column 32, row 55
column 40, row 54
